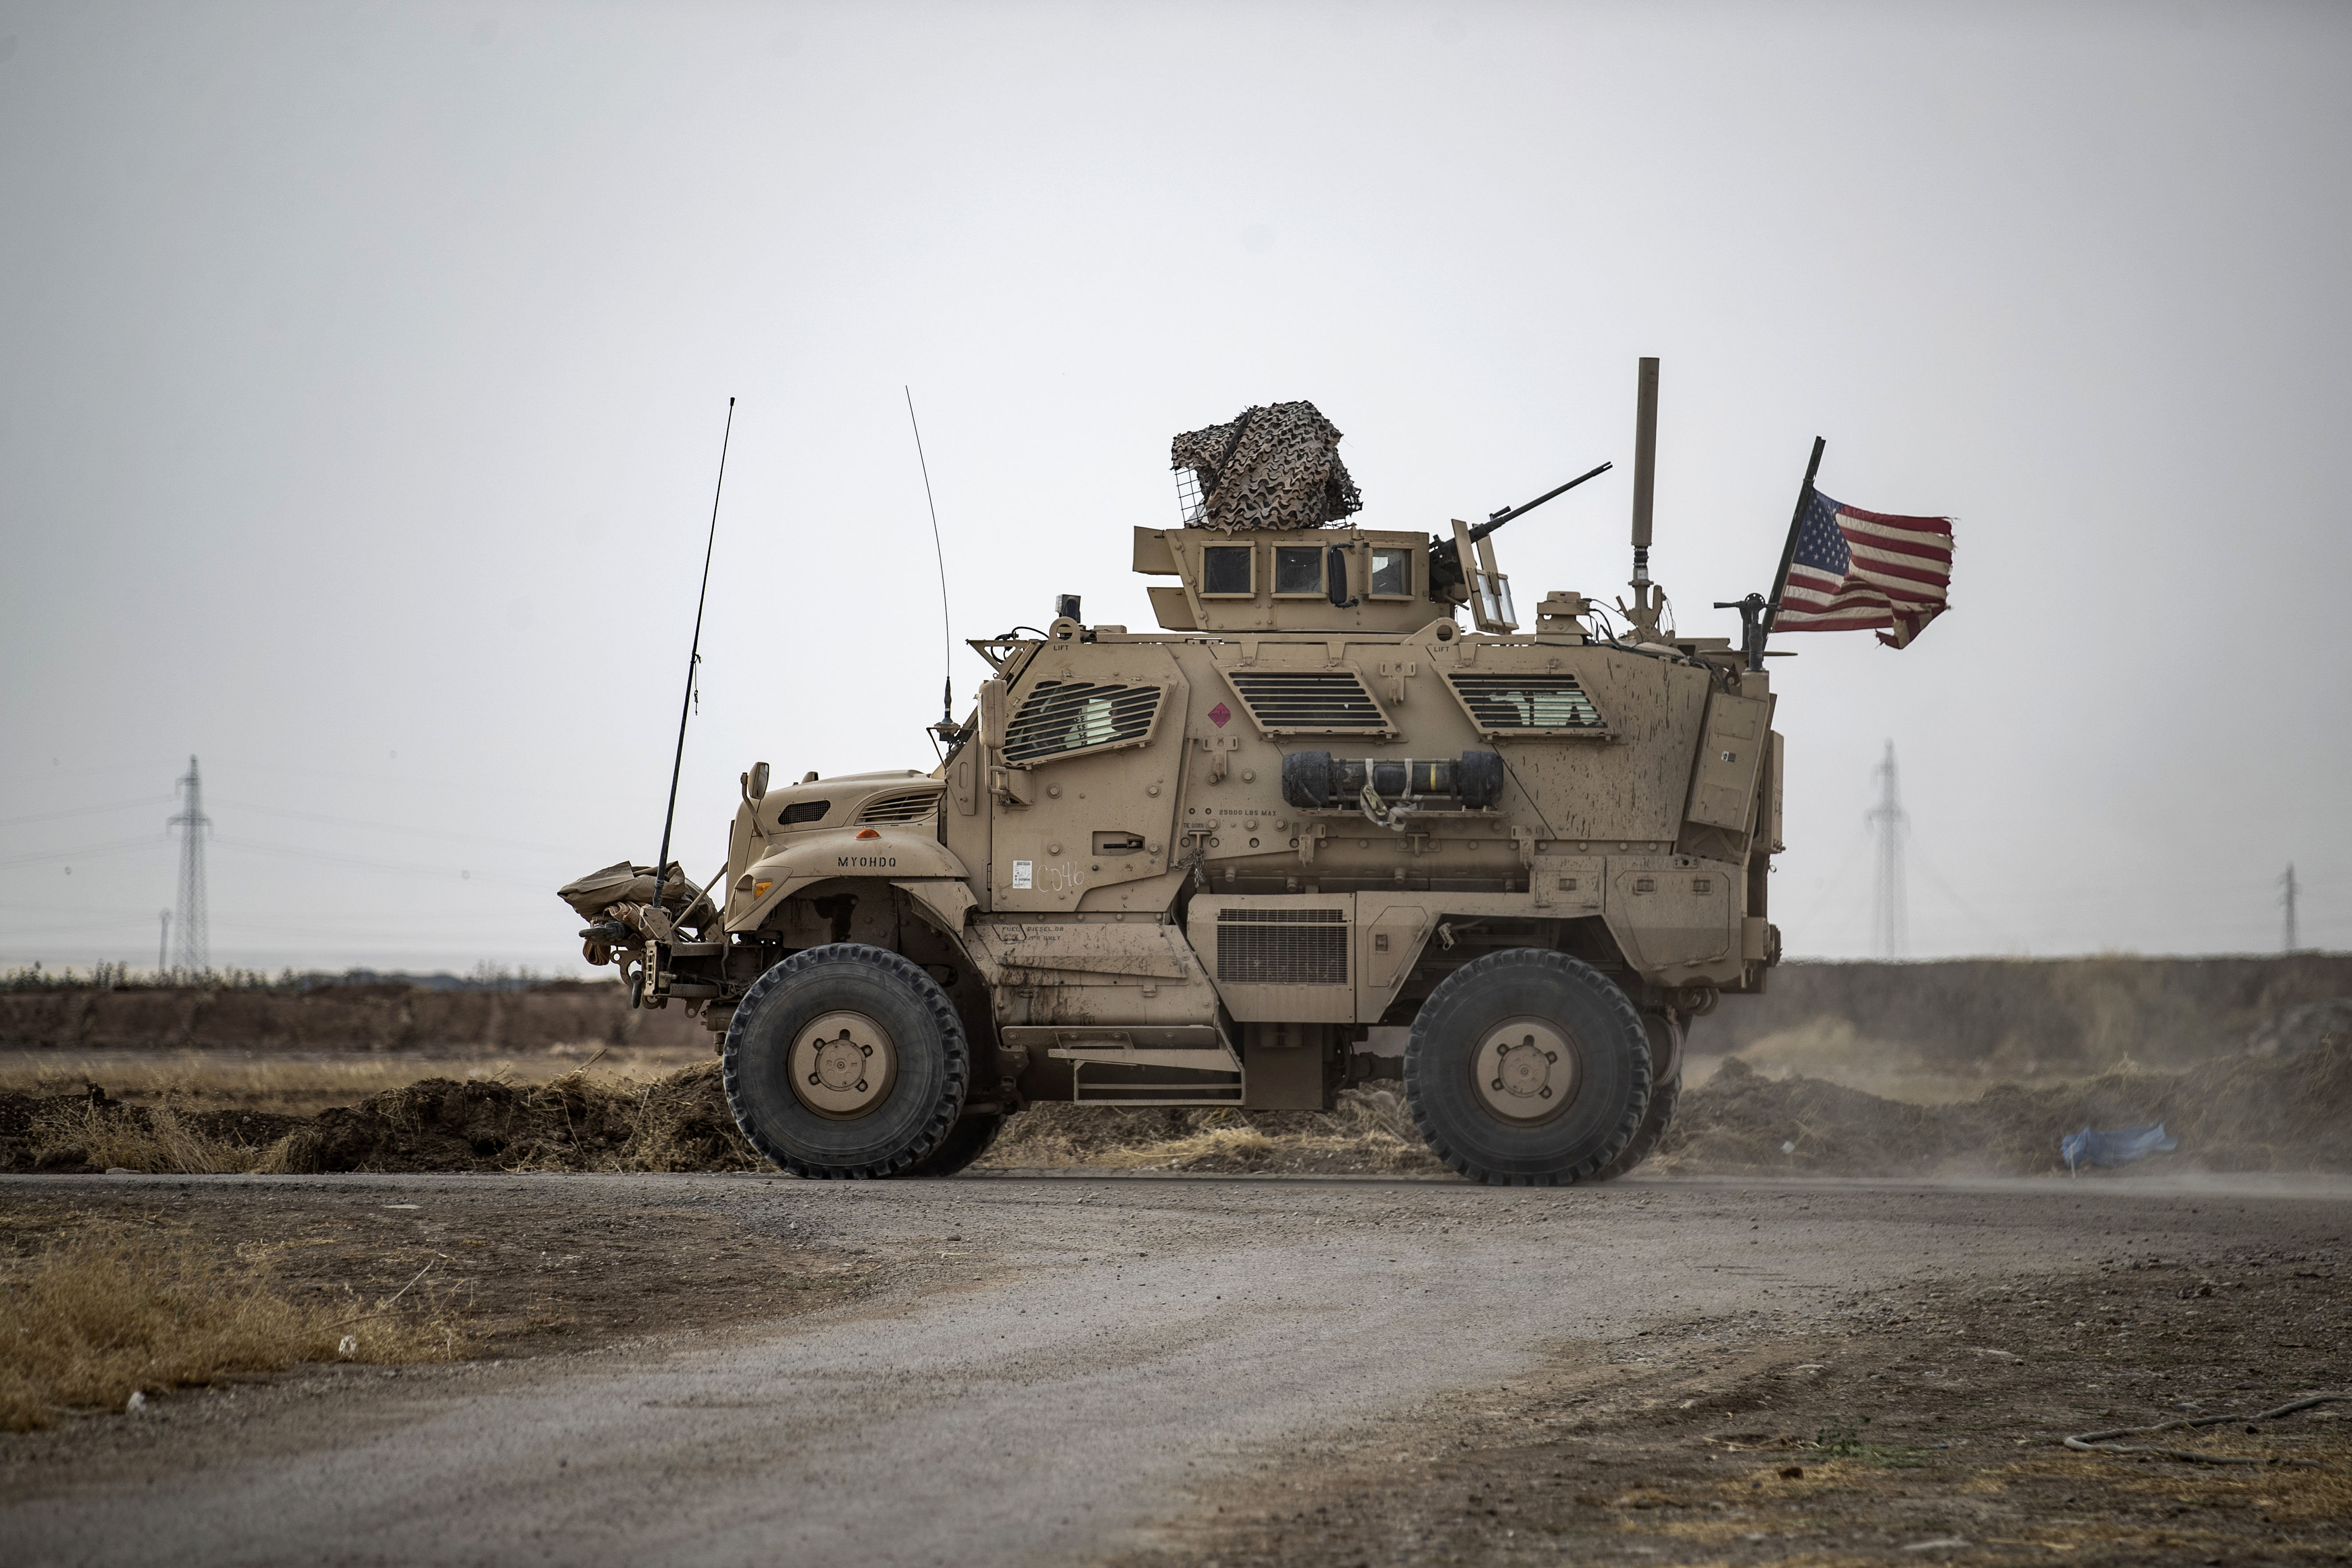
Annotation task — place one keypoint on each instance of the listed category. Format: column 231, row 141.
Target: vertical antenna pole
column 693, row 657
column 1643, row 613
column 2292, row 944
column 947, row 633
column 1645, row 466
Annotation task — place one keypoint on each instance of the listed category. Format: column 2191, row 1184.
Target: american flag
column 1864, row 570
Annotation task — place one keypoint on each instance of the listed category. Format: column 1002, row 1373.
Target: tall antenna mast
column 1643, row 611
column 1890, row 917
column 194, row 952
column 945, row 725
column 2288, row 882
column 693, row 659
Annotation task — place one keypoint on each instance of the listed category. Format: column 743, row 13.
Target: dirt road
column 1038, row 1370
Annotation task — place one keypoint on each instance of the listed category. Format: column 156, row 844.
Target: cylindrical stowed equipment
column 1318, row 780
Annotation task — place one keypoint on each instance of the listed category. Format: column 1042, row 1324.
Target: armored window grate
column 901, row 805
column 1061, row 716
column 1309, row 701
column 1498, row 702
column 1282, row 947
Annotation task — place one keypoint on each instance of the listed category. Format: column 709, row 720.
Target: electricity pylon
column 193, row 953
column 1890, row 916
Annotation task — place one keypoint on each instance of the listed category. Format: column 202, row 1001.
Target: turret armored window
column 1298, row 569
column 1226, row 571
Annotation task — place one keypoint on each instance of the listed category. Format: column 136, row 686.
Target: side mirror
column 1335, row 573
column 992, row 717
column 755, row 783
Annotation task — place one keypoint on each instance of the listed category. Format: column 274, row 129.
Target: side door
column 1082, row 787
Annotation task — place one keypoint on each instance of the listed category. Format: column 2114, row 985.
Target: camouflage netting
column 1276, row 466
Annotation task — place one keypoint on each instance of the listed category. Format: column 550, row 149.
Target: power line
column 85, row 851
column 84, row 810
column 437, row 873
column 388, row 827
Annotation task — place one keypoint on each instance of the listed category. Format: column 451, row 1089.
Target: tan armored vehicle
column 1221, row 862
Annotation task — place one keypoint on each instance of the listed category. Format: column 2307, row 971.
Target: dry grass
column 158, row 1141
column 103, row 1314
column 1368, row 1131
column 491, row 1120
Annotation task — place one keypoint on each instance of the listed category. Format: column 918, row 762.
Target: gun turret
column 1445, row 569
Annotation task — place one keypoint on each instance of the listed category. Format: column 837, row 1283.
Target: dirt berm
column 383, row 1015
column 2020, row 1016
column 579, row 1122
column 2244, row 1113
column 2240, row 1113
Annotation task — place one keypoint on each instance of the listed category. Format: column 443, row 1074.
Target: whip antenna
column 693, row 659
column 946, row 634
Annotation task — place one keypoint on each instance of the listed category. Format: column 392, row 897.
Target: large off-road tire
column 1666, row 1071
column 1527, row 1068
column 967, row 1141
column 1655, row 1123
column 845, row 1061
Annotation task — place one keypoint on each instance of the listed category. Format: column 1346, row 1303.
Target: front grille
column 900, row 805
column 1525, row 702
column 1308, row 702
column 1061, row 716
column 1282, row 947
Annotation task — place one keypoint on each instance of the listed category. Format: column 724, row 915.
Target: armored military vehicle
column 1222, row 862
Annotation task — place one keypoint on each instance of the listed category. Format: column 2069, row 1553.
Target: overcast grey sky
column 362, row 367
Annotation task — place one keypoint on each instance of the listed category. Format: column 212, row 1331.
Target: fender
column 884, row 854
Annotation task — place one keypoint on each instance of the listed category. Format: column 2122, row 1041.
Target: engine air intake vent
column 1282, row 947
column 1523, row 703
column 1062, row 716
column 1309, row 701
column 900, row 805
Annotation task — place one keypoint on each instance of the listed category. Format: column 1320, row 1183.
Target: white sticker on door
column 1021, row 873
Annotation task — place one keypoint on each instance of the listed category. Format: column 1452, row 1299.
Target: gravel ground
column 1028, row 1370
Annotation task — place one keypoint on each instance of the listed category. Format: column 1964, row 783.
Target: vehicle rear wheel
column 1655, row 1124
column 845, row 1061
column 967, row 1141
column 1527, row 1068
column 1667, row 1074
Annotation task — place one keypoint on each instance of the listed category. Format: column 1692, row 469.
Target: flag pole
column 1788, row 550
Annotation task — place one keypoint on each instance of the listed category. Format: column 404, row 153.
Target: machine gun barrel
column 1443, row 555
column 1496, row 520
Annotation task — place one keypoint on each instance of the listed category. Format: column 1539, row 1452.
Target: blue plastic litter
column 2118, row 1148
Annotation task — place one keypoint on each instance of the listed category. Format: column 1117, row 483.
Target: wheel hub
column 843, row 1066
column 1525, row 1070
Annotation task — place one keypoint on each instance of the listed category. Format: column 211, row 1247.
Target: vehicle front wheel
column 1527, row 1068
column 845, row 1061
